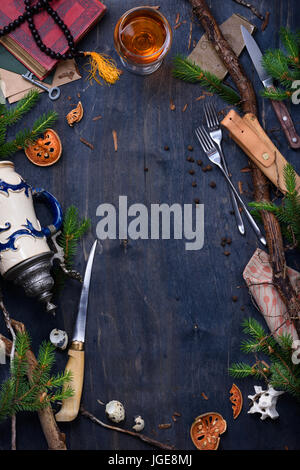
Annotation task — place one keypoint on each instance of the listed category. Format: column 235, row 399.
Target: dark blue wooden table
column 162, row 325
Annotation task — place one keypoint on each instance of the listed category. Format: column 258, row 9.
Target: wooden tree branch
column 251, row 7
column 261, row 186
column 12, row 353
column 54, row 437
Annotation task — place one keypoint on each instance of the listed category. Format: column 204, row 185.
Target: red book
column 79, row 15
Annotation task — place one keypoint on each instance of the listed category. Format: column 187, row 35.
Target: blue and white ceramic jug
column 25, row 256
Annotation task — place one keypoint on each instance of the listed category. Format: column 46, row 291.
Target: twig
column 115, row 139
column 266, row 21
column 85, row 142
column 12, row 353
column 142, row 437
column 251, row 7
column 190, row 33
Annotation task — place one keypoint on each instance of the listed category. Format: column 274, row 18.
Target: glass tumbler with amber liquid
column 142, row 39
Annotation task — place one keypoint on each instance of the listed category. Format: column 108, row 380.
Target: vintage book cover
column 79, row 15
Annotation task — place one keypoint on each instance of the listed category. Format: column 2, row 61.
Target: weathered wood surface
column 162, row 327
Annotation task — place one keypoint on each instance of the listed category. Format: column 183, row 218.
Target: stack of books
column 79, row 15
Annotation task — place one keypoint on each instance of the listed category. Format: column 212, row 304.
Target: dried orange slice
column 206, row 430
column 75, row 115
column 45, row 151
column 236, row 399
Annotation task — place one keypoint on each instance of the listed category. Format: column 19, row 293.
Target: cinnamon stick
column 274, row 239
column 54, row 437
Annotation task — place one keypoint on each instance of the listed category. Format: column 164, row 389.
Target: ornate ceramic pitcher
column 25, row 256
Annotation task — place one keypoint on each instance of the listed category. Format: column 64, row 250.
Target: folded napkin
column 258, row 277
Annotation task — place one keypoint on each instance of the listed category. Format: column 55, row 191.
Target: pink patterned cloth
column 258, row 277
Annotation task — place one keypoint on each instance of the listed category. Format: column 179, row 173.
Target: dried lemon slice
column 236, row 399
column 75, row 115
column 46, row 150
column 206, row 430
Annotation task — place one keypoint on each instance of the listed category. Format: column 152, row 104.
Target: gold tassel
column 104, row 66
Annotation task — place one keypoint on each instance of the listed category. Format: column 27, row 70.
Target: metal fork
column 215, row 133
column 214, row 156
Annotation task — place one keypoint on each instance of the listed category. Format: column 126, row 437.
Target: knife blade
column 75, row 364
column 280, row 108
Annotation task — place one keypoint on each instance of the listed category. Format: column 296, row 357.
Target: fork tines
column 205, row 139
column 211, row 116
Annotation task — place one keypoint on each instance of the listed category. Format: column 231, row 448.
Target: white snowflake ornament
column 264, row 402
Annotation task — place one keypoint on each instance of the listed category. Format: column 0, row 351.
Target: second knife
column 280, row 108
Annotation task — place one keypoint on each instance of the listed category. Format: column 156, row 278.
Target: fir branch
column 18, row 393
column 290, row 42
column 73, row 230
column 24, row 106
column 241, row 370
column 276, row 94
column 284, row 67
column 276, row 64
column 43, row 123
column 27, row 137
column 282, row 373
column 189, row 72
column 290, row 179
column 288, row 214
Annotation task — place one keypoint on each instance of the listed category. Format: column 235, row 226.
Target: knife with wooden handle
column 286, row 123
column 75, row 364
column 247, row 132
column 280, row 108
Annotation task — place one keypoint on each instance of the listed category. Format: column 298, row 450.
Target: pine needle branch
column 283, row 66
column 276, row 94
column 27, row 137
column 288, row 213
column 282, row 374
column 24, row 106
column 18, row 393
column 189, row 72
column 73, row 230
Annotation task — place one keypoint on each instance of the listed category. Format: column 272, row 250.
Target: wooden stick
column 12, row 353
column 143, row 438
column 54, row 437
column 251, row 7
column 261, row 185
